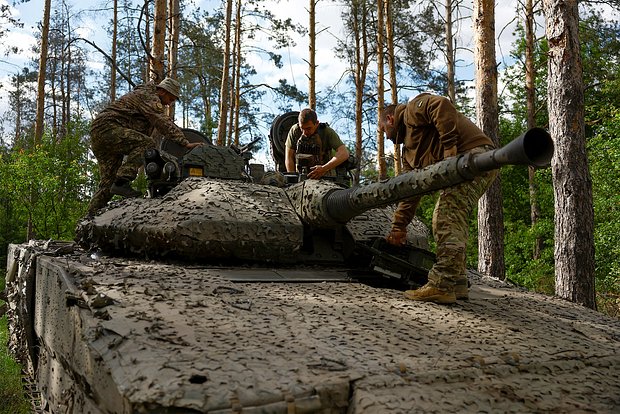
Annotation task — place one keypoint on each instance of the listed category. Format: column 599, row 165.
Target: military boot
column 461, row 289
column 430, row 293
column 124, row 190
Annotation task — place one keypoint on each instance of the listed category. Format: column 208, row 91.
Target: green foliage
column 521, row 268
column 45, row 189
column 604, row 155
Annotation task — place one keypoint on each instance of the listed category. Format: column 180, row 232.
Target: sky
column 294, row 70
column 329, row 24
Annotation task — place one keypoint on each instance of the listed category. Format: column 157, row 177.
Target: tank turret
column 206, row 206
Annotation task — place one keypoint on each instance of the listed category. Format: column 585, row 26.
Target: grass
column 12, row 397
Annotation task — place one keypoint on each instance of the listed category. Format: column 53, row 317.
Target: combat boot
column 430, row 293
column 461, row 289
column 124, row 190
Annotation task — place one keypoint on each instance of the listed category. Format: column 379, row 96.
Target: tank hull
column 134, row 336
column 212, row 220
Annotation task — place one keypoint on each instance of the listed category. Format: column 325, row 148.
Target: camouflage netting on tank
column 131, row 336
column 199, row 219
column 209, row 219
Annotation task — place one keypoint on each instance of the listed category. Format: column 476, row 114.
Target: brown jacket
column 427, row 126
column 430, row 124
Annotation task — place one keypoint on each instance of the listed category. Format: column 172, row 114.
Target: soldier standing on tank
column 316, row 139
column 431, row 129
column 121, row 133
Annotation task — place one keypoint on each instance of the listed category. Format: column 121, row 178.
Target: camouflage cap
column 171, row 86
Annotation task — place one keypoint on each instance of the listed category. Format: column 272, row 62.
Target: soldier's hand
column 397, row 237
column 191, row 145
column 317, row 172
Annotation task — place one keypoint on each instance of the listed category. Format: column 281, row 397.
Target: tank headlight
column 151, row 154
column 152, row 170
column 169, row 170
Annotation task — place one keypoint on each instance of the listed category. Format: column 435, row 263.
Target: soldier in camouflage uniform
column 122, row 132
column 431, row 129
column 317, row 141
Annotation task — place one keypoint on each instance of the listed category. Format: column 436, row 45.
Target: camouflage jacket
column 141, row 110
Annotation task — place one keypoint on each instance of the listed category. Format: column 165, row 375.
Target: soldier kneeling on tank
column 121, row 133
column 310, row 145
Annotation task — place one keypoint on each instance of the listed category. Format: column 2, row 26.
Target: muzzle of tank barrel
column 534, row 147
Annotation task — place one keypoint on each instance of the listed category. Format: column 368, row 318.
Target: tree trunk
column 45, row 29
column 380, row 91
column 574, row 213
column 360, row 67
column 65, row 82
column 237, row 73
column 490, row 214
column 389, row 39
column 530, row 93
column 114, row 41
column 145, row 72
column 159, row 36
column 53, row 94
column 450, row 61
column 174, row 19
column 312, row 56
column 233, row 86
column 18, row 107
column 221, row 128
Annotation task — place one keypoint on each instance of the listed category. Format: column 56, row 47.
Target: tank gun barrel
column 337, row 206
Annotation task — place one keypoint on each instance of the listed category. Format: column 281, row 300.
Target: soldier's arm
column 402, row 217
column 289, row 160
column 289, row 150
column 342, row 154
column 154, row 111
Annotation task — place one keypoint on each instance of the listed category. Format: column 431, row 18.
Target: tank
column 234, row 290
column 209, row 206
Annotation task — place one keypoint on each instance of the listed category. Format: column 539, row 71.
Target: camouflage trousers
column 120, row 153
column 451, row 227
